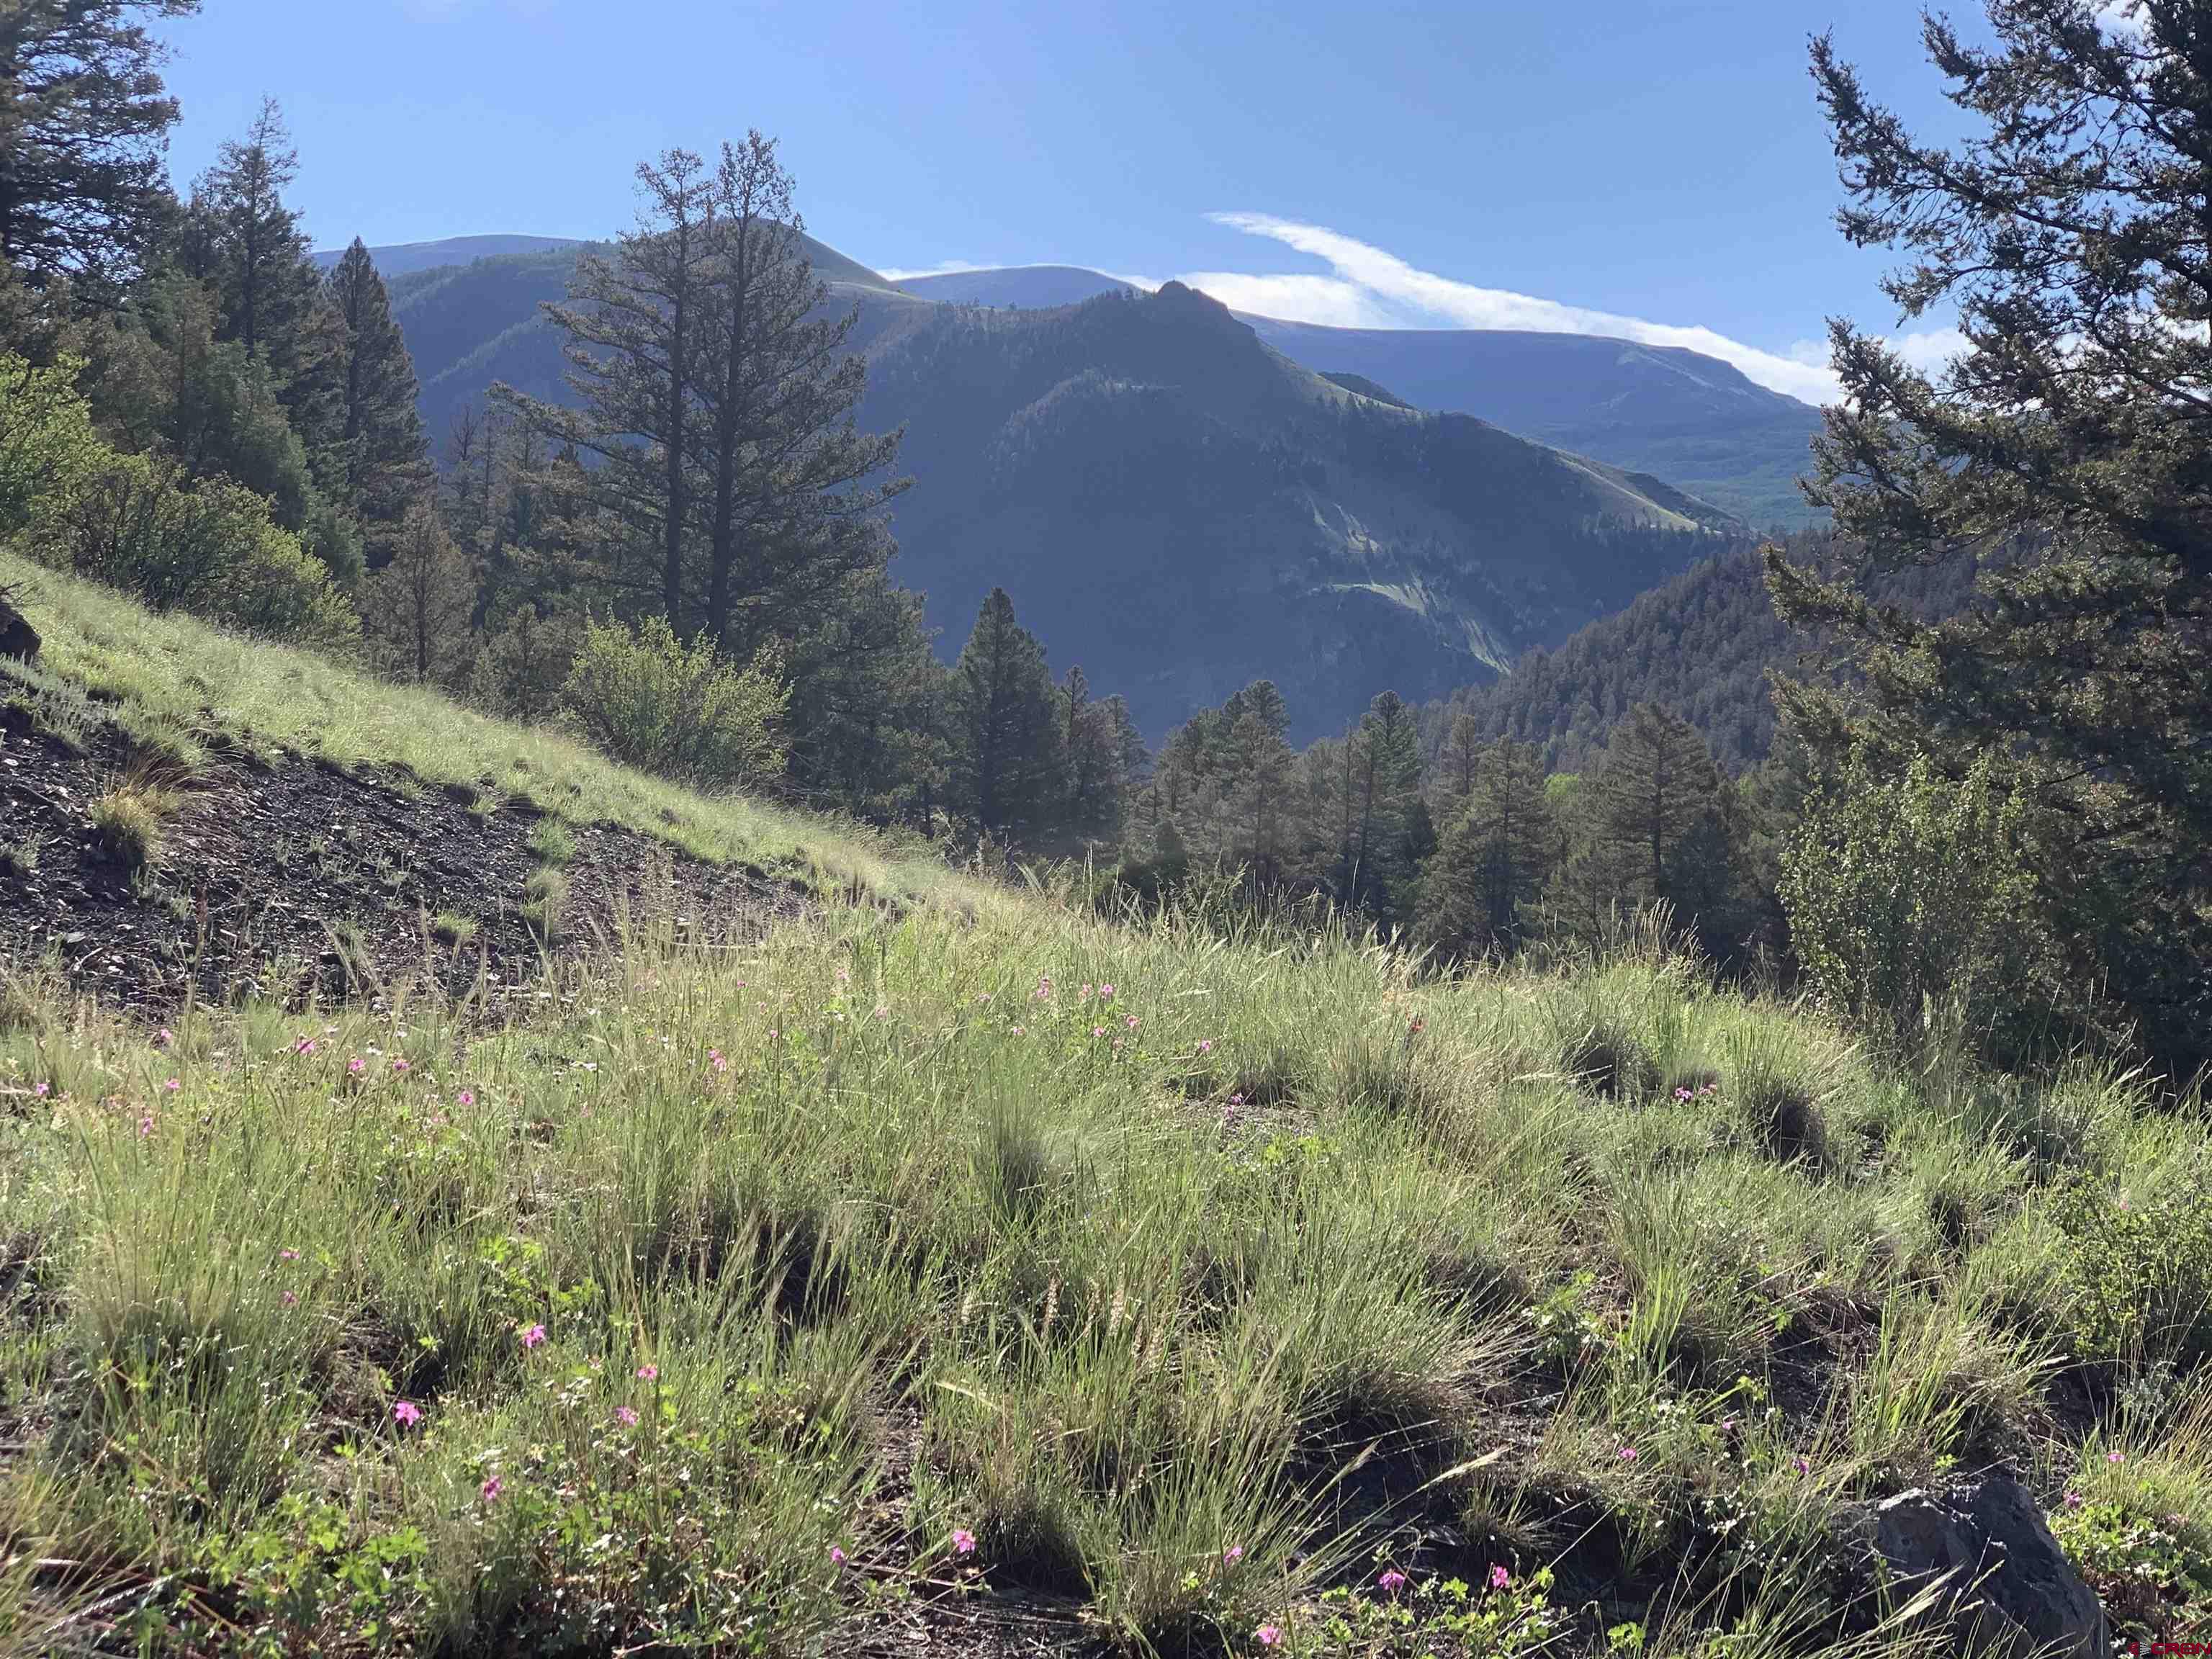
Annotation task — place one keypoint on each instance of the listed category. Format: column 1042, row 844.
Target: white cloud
column 948, row 268
column 1381, row 290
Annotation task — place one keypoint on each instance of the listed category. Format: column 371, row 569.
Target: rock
column 2004, row 1583
column 18, row 638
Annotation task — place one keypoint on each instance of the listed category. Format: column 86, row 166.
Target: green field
column 976, row 1269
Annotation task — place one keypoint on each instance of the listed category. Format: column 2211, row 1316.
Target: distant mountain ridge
column 1172, row 502
column 1676, row 414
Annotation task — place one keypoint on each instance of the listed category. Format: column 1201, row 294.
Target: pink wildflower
column 172, row 1085
column 2072, row 1500
column 406, row 1414
column 1391, row 1581
column 40, row 1091
column 164, row 1037
column 1105, row 994
column 1800, row 1465
column 1499, row 1579
column 287, row 1253
column 1098, row 1030
column 882, row 1011
column 836, row 1556
column 466, row 1098
column 400, row 1065
column 1131, row 1021
column 356, row 1065
column 629, row 1417
column 986, row 997
column 534, row 1337
column 1232, row 1555
column 1268, row 1636
column 2116, row 1457
column 1205, row 1045
column 1627, row 1454
column 646, row 1373
column 491, row 1490
column 1043, row 992
column 288, row 1299
column 1021, row 1030
column 963, row 1542
column 145, row 1127
column 1682, row 1094
column 304, row 1046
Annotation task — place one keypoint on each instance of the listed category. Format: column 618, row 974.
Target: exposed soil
column 281, row 880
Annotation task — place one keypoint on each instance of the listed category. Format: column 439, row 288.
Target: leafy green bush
column 48, row 446
column 647, row 699
column 2140, row 1265
column 213, row 550
column 1911, row 904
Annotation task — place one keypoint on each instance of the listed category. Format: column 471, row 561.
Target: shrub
column 2140, row 1265
column 1909, row 901
column 48, row 446
column 650, row 700
column 213, row 550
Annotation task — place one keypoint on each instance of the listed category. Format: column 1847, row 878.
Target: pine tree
column 418, row 608
column 1654, row 792
column 84, row 122
column 791, row 516
column 2062, row 460
column 1256, row 761
column 1496, row 857
column 257, row 252
column 634, row 363
column 1009, row 757
column 385, row 457
column 1385, row 830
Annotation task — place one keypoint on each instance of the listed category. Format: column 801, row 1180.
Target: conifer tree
column 385, row 459
column 634, row 363
column 2064, row 458
column 1009, row 756
column 1654, row 796
column 84, row 122
column 1495, row 857
column 1384, row 826
column 793, row 489
column 419, row 604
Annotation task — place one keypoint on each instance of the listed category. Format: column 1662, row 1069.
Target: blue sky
column 1604, row 165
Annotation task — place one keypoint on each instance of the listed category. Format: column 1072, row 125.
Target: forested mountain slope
column 1170, row 503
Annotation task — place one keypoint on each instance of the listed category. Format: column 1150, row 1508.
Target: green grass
column 915, row 1243
column 1135, row 1250
column 173, row 680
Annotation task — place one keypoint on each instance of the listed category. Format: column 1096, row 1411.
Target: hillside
column 1702, row 644
column 971, row 1274
column 1678, row 415
column 404, row 258
column 1134, row 469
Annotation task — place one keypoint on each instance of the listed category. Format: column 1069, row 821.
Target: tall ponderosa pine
column 631, row 321
column 384, row 459
column 1009, row 757
column 84, row 125
column 791, row 516
column 2072, row 438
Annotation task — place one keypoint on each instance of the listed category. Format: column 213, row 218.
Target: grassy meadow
column 961, row 1265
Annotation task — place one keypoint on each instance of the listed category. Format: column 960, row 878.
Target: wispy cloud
column 1372, row 288
column 1369, row 287
column 948, row 268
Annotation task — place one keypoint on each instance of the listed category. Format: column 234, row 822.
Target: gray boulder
column 1996, row 1573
